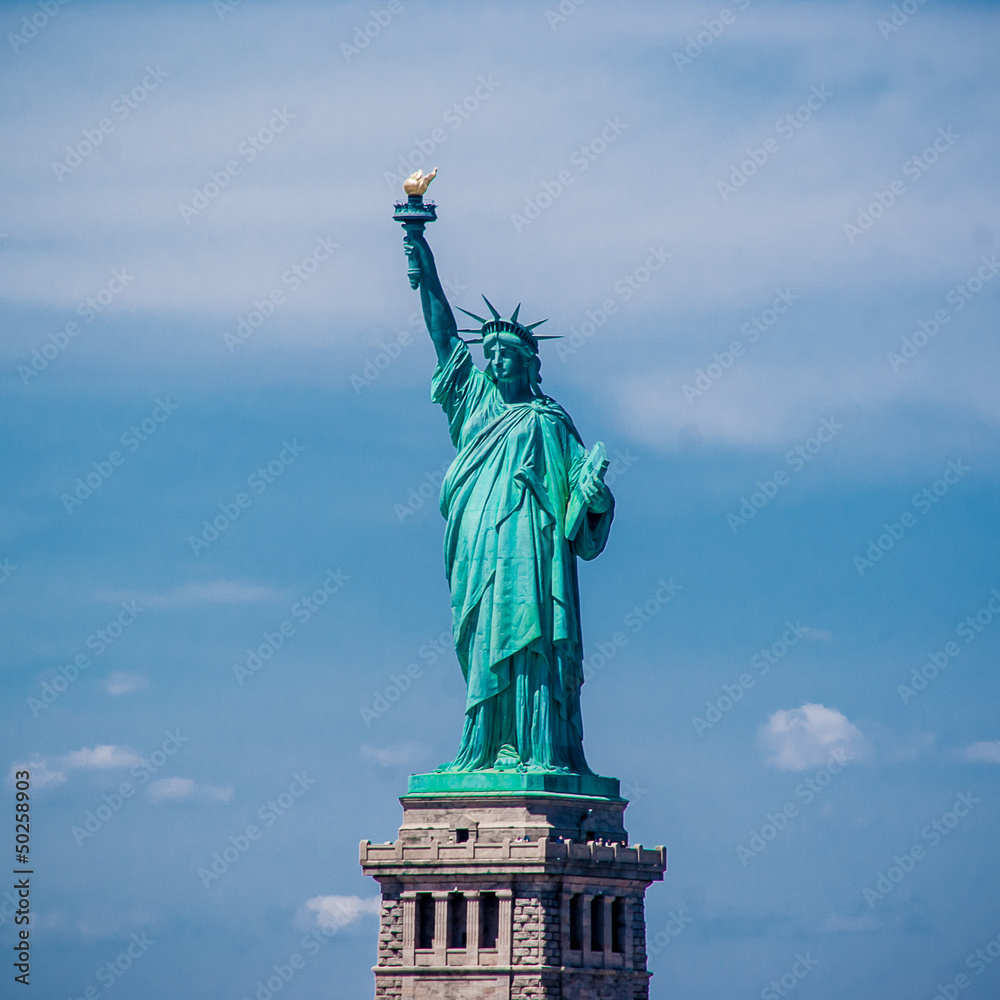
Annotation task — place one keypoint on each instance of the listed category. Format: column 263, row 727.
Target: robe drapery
column 514, row 592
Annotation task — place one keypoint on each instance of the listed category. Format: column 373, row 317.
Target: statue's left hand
column 597, row 495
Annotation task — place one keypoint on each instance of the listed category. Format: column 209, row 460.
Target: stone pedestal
column 528, row 892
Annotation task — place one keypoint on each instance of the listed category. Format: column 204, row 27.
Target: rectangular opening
column 618, row 924
column 489, row 919
column 425, row 920
column 458, row 915
column 575, row 922
column 597, row 924
column 461, row 836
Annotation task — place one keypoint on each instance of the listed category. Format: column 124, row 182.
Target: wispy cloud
column 190, row 594
column 982, row 753
column 122, row 682
column 188, row 790
column 42, row 774
column 104, row 756
column 47, row 772
column 851, row 925
column 390, row 756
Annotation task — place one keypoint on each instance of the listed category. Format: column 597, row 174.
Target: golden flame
column 417, row 182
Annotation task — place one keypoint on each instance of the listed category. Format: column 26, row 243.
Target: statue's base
column 501, row 885
column 462, row 783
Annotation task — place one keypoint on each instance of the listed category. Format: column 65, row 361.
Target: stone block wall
column 390, row 935
column 536, row 936
column 388, row 989
column 537, row 987
column 639, row 935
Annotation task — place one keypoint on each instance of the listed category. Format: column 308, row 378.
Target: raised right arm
column 438, row 317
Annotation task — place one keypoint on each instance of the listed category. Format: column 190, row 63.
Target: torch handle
column 413, row 269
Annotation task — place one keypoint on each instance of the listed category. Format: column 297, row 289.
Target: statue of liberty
column 523, row 500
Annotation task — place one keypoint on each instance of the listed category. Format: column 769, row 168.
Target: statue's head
column 510, row 347
column 510, row 358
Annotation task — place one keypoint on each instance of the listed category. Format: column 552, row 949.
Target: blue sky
column 770, row 242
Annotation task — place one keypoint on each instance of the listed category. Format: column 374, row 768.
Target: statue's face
column 510, row 362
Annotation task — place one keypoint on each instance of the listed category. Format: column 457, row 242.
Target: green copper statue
column 523, row 500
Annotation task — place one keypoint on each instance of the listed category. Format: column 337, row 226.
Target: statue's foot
column 508, row 759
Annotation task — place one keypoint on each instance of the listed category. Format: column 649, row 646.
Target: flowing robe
column 514, row 592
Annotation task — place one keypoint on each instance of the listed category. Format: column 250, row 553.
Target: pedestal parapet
column 512, row 894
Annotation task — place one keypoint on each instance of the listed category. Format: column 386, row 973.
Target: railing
column 435, row 851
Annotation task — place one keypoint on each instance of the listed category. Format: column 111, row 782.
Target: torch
column 414, row 214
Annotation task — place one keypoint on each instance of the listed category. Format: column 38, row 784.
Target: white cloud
column 102, row 756
column 334, row 912
column 187, row 789
column 122, row 682
column 808, row 736
column 41, row 774
column 983, row 752
column 47, row 771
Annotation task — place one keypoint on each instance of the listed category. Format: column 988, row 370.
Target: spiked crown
column 493, row 327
